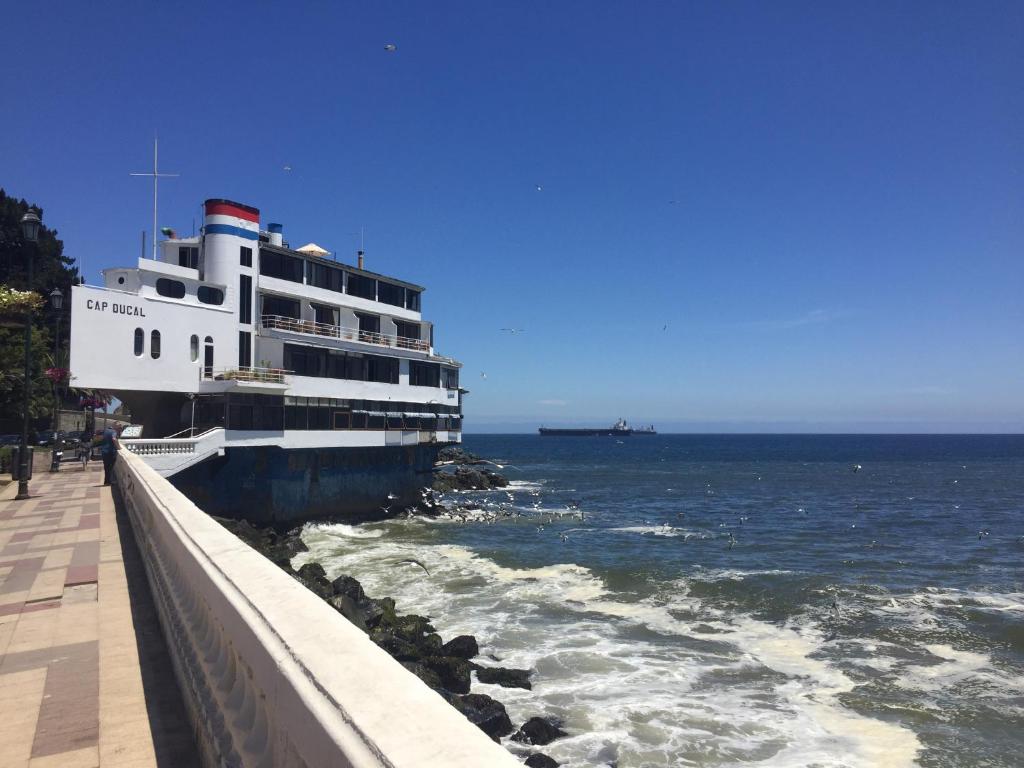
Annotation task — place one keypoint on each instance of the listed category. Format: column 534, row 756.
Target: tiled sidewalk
column 73, row 626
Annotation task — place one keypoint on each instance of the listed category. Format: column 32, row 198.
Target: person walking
column 108, row 450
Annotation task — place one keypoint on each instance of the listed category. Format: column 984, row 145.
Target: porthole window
column 210, row 295
column 154, row 344
column 120, row 280
column 140, row 342
column 193, row 348
column 172, row 289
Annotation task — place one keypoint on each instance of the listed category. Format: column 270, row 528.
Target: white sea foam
column 655, row 530
column 665, row 680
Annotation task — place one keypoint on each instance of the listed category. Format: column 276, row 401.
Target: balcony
column 243, row 378
column 312, row 328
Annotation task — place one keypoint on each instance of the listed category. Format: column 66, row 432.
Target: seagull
column 981, row 533
column 483, row 375
column 413, row 561
column 287, row 168
column 664, row 327
column 392, row 496
column 514, row 330
column 539, row 188
column 390, row 47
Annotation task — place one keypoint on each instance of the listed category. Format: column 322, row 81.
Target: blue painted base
column 268, row 485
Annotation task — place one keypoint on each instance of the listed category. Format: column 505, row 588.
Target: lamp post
column 57, row 302
column 30, row 223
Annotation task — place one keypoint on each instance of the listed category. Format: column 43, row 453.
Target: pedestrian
column 108, row 450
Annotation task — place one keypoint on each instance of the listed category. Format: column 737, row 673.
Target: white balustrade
column 272, row 675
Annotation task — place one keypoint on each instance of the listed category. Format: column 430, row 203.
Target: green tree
column 51, row 269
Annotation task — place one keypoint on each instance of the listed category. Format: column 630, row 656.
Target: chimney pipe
column 275, row 234
column 360, row 262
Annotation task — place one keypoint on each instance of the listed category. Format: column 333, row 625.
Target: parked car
column 9, row 439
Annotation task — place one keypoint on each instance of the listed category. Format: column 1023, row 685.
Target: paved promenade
column 85, row 679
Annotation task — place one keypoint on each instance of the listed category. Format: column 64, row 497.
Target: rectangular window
column 412, row 299
column 382, row 369
column 389, row 293
column 408, row 330
column 424, row 374
column 244, row 299
column 341, row 420
column 361, row 286
column 450, row 377
column 188, row 256
column 245, row 256
column 325, row 276
column 244, row 349
column 280, row 265
column 276, row 305
column 368, row 324
column 324, row 314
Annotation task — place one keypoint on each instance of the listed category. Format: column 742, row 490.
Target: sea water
column 694, row 600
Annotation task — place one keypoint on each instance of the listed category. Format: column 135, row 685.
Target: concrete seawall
column 270, row 674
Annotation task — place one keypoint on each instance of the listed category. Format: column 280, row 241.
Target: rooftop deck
column 72, row 695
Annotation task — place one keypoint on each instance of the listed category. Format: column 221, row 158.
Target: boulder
column 540, row 760
column 348, row 608
column 453, row 672
column 428, row 676
column 313, row 576
column 504, row 676
column 539, row 731
column 400, row 649
column 484, row 712
column 462, row 647
column 346, row 585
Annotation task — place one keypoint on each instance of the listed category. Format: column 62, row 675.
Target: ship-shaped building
column 271, row 383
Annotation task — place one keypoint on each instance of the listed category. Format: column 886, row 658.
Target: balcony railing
column 241, row 373
column 314, row 328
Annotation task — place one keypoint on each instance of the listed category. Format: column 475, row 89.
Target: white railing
column 160, row 447
column 246, row 374
column 312, row 328
column 271, row 675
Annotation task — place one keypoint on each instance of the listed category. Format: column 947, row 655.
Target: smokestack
column 360, row 262
column 275, row 232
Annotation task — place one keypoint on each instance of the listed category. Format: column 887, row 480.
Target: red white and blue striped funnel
column 225, row 217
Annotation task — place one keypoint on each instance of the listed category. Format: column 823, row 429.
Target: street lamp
column 30, row 223
column 57, row 302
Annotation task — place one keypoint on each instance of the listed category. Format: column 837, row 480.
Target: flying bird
column 483, row 375
column 514, row 330
column 287, row 168
column 412, row 561
column 390, row 47
column 539, row 188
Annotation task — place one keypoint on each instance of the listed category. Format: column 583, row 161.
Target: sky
column 718, row 216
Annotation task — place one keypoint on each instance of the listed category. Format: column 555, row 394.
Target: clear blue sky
column 845, row 249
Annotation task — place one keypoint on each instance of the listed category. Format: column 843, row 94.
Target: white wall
column 270, row 674
column 103, row 324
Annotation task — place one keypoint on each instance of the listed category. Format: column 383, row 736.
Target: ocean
column 718, row 600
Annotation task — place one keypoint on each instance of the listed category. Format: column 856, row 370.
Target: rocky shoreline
column 446, row 667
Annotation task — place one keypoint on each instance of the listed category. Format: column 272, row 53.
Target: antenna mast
column 156, row 177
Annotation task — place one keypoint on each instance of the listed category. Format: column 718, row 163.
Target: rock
column 468, row 479
column 504, row 676
column 457, row 454
column 540, row 760
column 398, row 648
column 346, row 585
column 539, row 731
column 348, row 608
column 485, row 713
column 454, row 673
column 462, row 647
column 428, row 676
column 313, row 576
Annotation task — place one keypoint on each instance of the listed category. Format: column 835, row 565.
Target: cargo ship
column 619, row 429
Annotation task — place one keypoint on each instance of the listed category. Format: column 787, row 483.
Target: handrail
column 245, row 373
column 313, row 328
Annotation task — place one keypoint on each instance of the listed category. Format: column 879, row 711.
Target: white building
column 268, row 376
